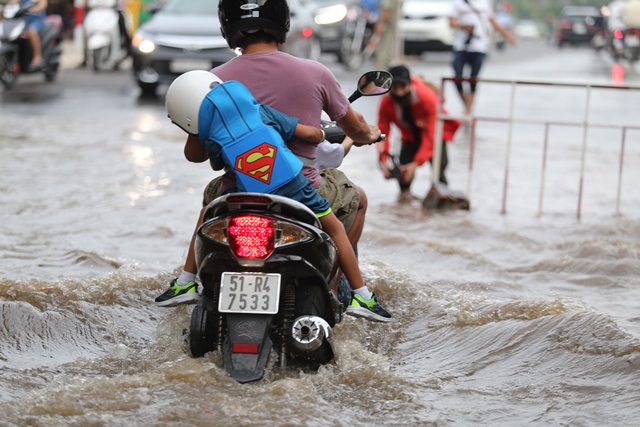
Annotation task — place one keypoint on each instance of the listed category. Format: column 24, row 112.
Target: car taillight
column 565, row 24
column 251, row 236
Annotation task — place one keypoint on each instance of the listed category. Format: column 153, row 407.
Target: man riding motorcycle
column 35, row 22
column 629, row 13
column 278, row 79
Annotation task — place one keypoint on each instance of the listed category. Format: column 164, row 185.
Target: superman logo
column 258, row 162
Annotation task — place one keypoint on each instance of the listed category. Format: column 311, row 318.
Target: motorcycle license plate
column 255, row 293
column 579, row 28
column 184, row 65
column 414, row 36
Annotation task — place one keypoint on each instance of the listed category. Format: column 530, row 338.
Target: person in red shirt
column 412, row 106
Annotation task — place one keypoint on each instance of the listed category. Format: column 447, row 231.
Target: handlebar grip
column 333, row 132
column 381, row 138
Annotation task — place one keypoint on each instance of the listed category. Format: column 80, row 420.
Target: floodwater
column 517, row 312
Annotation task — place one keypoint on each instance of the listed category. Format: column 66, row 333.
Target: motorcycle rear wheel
column 203, row 330
column 51, row 72
column 310, row 300
column 148, row 89
column 100, row 57
column 8, row 74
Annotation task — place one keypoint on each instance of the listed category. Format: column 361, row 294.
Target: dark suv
column 576, row 25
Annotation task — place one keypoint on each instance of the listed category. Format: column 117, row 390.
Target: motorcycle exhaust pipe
column 309, row 332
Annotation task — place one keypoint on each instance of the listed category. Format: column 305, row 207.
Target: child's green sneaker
column 368, row 308
column 177, row 294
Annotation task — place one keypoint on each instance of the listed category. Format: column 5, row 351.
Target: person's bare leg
column 355, row 232
column 34, row 39
column 468, row 103
column 346, row 256
column 365, row 305
column 190, row 265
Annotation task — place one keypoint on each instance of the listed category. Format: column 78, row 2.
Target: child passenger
column 231, row 124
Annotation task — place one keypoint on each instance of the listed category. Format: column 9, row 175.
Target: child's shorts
column 300, row 189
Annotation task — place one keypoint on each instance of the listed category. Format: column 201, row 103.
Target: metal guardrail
column 510, row 120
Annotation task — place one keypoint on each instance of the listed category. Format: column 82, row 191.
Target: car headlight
column 331, row 14
column 142, row 42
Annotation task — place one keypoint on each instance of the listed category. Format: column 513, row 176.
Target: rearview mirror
column 372, row 83
column 375, row 83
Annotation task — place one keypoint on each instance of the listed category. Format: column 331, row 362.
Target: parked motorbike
column 104, row 27
column 632, row 44
column 616, row 45
column 358, row 40
column 599, row 40
column 268, row 272
column 15, row 50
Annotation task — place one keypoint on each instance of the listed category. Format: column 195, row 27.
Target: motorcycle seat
column 54, row 21
column 51, row 27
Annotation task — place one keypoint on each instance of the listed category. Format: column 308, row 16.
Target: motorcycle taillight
column 251, row 236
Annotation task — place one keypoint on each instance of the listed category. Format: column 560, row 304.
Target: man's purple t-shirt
column 298, row 87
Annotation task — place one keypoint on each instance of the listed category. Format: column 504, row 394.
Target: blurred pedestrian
column 471, row 20
column 386, row 28
column 629, row 14
column 412, row 106
column 614, row 21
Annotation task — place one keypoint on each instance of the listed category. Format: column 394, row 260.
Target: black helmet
column 237, row 17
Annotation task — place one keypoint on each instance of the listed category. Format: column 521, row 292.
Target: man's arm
column 454, row 23
column 384, row 123
column 506, row 33
column 356, row 127
column 381, row 23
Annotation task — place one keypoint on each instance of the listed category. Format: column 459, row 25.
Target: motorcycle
column 616, row 45
column 599, row 40
column 632, row 45
column 358, row 40
column 15, row 50
column 104, row 27
column 268, row 272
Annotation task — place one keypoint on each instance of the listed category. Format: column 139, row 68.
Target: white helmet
column 185, row 95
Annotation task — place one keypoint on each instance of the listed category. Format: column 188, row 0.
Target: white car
column 527, row 29
column 424, row 25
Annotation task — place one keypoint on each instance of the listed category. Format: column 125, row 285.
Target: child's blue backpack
column 254, row 151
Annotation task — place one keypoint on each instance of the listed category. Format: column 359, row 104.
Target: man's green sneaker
column 177, row 294
column 369, row 308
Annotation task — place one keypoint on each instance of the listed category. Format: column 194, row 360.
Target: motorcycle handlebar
column 335, row 135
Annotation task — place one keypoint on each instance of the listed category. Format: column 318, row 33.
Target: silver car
column 183, row 35
column 425, row 26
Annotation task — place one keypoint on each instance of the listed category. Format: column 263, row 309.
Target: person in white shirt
column 613, row 20
column 471, row 20
column 629, row 14
column 331, row 155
